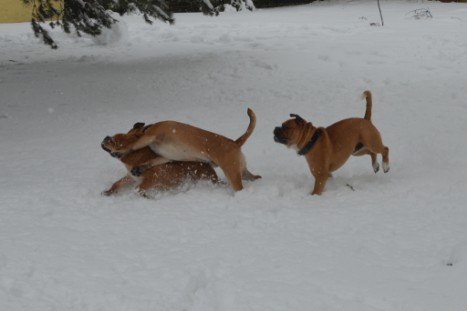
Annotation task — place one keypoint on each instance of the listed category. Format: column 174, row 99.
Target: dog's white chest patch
column 178, row 153
column 294, row 147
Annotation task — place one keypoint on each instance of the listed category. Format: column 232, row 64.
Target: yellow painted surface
column 14, row 11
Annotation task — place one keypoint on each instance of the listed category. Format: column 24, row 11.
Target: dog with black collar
column 327, row 148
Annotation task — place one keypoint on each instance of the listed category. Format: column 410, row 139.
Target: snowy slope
column 398, row 242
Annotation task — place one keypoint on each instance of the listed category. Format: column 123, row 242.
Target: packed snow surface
column 371, row 242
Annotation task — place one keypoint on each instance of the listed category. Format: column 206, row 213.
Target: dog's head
column 291, row 131
column 114, row 144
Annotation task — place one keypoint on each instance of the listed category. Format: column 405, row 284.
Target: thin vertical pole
column 380, row 14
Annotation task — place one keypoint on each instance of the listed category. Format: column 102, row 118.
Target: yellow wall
column 14, row 11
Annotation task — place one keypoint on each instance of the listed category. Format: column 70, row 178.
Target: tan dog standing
column 160, row 177
column 327, row 149
column 182, row 142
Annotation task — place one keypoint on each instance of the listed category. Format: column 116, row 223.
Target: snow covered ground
column 397, row 242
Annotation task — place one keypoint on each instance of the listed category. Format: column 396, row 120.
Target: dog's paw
column 107, row 192
column 385, row 167
column 376, row 167
column 138, row 170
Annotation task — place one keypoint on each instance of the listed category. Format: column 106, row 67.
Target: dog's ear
column 297, row 117
column 138, row 125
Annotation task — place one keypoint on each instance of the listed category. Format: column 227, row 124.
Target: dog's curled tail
column 242, row 139
column 367, row 95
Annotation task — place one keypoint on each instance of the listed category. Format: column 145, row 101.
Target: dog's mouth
column 114, row 154
column 280, row 140
column 279, row 136
column 109, row 140
column 104, row 143
column 105, row 148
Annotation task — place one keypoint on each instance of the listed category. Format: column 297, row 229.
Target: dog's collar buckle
column 310, row 143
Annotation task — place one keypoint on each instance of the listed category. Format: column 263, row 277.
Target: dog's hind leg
column 361, row 150
column 384, row 151
column 385, row 154
column 235, row 179
column 247, row 175
column 374, row 162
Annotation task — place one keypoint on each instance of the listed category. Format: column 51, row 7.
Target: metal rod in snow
column 380, row 14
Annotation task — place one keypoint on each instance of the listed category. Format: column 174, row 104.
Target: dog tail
column 242, row 139
column 367, row 95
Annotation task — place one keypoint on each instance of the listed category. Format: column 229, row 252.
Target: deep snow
column 398, row 242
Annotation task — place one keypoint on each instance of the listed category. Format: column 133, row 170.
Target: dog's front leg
column 118, row 185
column 139, row 144
column 321, row 177
column 319, row 185
column 140, row 169
column 319, row 168
column 320, row 182
column 144, row 141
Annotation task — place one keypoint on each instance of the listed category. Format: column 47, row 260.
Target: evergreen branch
column 91, row 16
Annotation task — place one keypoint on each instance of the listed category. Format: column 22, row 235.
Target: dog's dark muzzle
column 117, row 155
column 104, row 146
column 105, row 142
column 279, row 136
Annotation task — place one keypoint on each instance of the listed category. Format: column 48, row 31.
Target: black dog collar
column 310, row 143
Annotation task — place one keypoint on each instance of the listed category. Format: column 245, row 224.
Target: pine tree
column 91, row 16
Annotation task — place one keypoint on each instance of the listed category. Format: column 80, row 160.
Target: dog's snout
column 105, row 142
column 279, row 136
